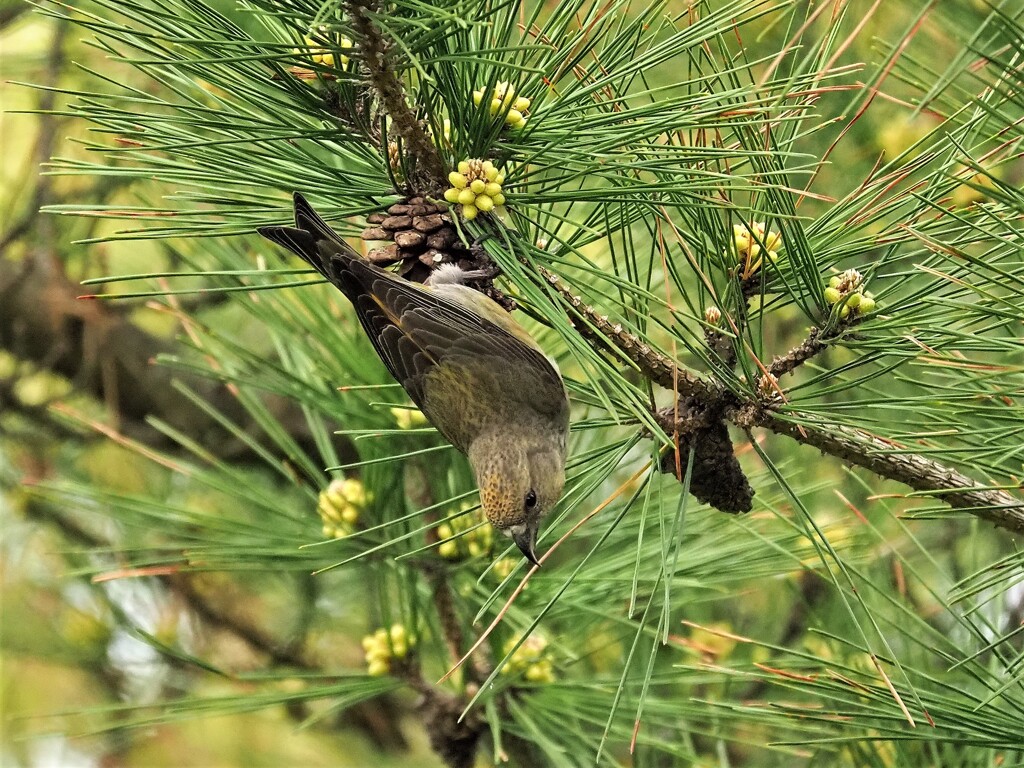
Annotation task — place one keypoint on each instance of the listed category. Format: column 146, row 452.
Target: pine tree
column 798, row 404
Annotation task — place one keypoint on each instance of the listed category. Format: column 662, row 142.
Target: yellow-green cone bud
column 476, row 187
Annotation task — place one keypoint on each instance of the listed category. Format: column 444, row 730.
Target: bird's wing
column 414, row 330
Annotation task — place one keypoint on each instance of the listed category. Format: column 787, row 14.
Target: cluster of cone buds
column 530, row 660
column 846, row 290
column 409, row 418
column 476, row 186
column 503, row 567
column 504, row 100
column 751, row 242
column 464, row 536
column 385, row 646
column 340, row 506
column 768, row 387
column 322, row 55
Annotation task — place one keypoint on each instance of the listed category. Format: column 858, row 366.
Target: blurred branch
column 44, row 145
column 377, row 719
column 12, row 12
column 94, row 345
column 104, row 354
column 453, row 738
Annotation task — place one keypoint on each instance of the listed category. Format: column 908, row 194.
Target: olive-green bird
column 479, row 378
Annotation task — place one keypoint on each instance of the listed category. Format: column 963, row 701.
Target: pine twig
column 598, row 330
column 890, row 461
column 811, row 346
column 855, row 446
column 428, row 174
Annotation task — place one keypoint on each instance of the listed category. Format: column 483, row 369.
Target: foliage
column 826, row 625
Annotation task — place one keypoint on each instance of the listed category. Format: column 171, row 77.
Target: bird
column 477, row 375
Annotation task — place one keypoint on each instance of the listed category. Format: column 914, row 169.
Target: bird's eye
column 531, row 499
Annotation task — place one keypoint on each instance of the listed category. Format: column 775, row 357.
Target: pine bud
column 476, row 186
column 505, row 100
column 340, row 506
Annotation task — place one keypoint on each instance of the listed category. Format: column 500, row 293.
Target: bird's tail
column 312, row 239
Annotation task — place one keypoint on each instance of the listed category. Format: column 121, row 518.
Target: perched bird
column 479, row 378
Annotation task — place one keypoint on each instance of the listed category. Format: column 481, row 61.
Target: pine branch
column 598, row 330
column 109, row 357
column 800, row 354
column 857, row 447
column 890, row 461
column 427, row 169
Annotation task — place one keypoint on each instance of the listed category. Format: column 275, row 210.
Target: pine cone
column 717, row 478
column 420, row 238
column 420, row 232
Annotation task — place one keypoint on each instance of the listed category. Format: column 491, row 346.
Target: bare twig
column 787, row 363
column 599, row 331
column 894, row 462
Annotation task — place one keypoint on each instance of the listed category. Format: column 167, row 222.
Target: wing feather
column 414, row 330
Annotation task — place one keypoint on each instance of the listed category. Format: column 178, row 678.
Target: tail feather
column 309, row 221
column 311, row 239
column 298, row 241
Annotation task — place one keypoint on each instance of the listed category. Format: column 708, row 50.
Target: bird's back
column 463, row 361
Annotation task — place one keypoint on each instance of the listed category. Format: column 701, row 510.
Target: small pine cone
column 396, row 223
column 408, row 240
column 384, row 257
column 420, row 235
column 443, row 239
column 421, row 238
column 430, row 223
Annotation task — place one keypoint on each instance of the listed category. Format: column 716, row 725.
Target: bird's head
column 520, row 479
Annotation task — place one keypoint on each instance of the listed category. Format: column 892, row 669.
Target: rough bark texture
column 863, row 449
column 427, row 173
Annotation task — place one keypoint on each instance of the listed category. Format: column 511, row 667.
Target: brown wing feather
column 414, row 330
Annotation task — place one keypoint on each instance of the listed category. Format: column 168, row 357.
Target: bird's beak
column 526, row 540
